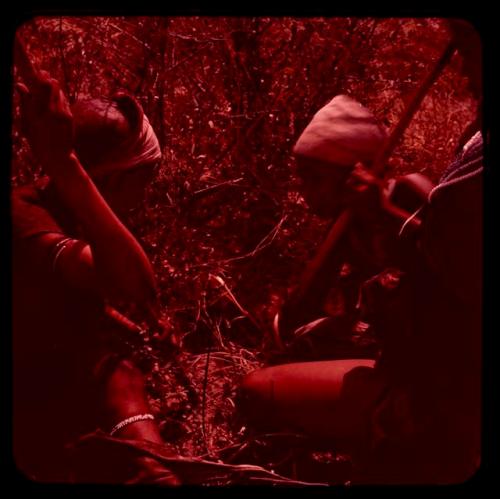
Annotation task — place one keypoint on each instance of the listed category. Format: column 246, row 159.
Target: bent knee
column 254, row 384
column 122, row 376
column 126, row 367
column 255, row 392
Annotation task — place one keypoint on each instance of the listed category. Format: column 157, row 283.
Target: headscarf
column 144, row 149
column 341, row 133
column 113, row 134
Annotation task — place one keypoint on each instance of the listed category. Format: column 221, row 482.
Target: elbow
column 125, row 278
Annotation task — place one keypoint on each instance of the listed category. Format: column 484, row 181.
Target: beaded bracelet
column 58, row 249
column 132, row 419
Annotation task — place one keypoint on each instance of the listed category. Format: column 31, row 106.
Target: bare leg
column 327, row 398
column 124, row 396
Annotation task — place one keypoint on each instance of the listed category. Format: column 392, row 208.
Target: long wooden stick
column 338, row 229
column 400, row 128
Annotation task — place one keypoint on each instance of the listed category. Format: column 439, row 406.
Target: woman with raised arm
column 74, row 259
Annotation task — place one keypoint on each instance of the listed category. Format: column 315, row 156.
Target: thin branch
column 197, row 40
column 266, row 241
column 208, row 190
column 204, row 401
column 86, row 21
column 231, row 296
column 64, row 65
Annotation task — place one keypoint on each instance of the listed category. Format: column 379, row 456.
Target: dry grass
column 194, row 397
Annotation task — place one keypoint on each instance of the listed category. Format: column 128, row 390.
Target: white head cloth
column 342, row 133
column 144, row 149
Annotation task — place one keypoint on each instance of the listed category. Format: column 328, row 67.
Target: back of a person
column 428, row 426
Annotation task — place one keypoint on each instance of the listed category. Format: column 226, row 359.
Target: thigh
column 326, row 398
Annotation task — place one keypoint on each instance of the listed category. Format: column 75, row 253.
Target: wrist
column 67, row 167
column 69, row 160
column 75, row 187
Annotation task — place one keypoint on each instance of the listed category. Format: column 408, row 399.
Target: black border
column 482, row 19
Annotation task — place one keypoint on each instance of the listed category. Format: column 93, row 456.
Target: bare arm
column 366, row 196
column 370, row 199
column 113, row 261
column 122, row 268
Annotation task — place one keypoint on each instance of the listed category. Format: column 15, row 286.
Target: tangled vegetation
column 223, row 223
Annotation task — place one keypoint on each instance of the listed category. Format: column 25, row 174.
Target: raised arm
column 112, row 262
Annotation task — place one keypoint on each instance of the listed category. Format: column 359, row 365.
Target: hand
column 166, row 334
column 364, row 191
column 47, row 122
column 361, row 179
column 163, row 331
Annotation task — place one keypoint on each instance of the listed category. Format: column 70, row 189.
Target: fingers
column 361, row 178
column 42, row 92
column 46, row 119
column 25, row 108
column 359, row 187
column 357, row 182
column 42, row 85
column 45, row 93
column 58, row 103
column 21, row 88
column 24, row 97
column 152, row 314
column 47, row 97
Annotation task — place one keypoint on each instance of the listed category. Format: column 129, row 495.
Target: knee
column 253, row 393
column 248, row 386
column 124, row 375
column 128, row 370
column 126, row 367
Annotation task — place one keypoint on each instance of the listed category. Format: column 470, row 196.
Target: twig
column 125, row 32
column 197, row 40
column 212, row 188
column 272, row 235
column 63, row 63
column 218, row 452
column 240, row 447
column 219, row 334
column 231, row 296
column 264, row 243
column 93, row 25
column 104, row 41
column 204, row 401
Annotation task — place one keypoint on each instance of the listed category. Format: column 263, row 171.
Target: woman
column 413, row 415
column 73, row 258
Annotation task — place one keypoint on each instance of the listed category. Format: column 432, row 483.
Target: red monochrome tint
column 247, row 250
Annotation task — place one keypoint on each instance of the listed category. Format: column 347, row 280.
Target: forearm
column 122, row 267
column 399, row 215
